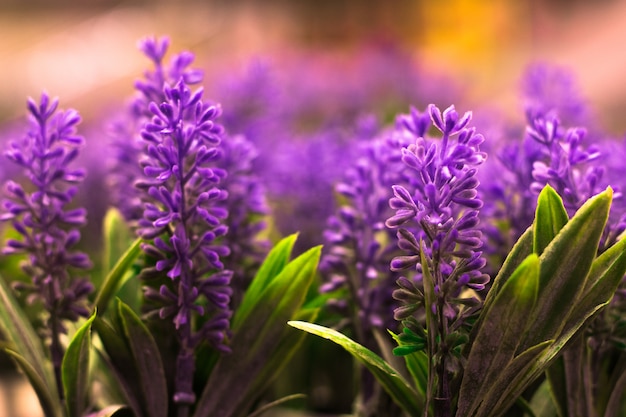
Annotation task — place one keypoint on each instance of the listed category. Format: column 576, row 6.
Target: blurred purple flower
column 358, row 245
column 49, row 230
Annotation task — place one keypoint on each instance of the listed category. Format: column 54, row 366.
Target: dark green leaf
column 542, row 403
column 147, row 360
column 550, row 217
column 557, row 382
column 258, row 336
column 276, row 403
column 50, row 405
column 565, row 264
column 290, row 341
column 117, row 276
column 273, row 264
column 18, row 331
column 75, row 370
column 396, row 386
column 522, row 248
column 606, row 273
column 506, row 389
column 502, row 330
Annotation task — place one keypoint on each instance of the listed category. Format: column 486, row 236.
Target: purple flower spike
column 48, row 230
column 436, row 211
column 184, row 209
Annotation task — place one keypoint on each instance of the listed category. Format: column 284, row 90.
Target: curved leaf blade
column 16, row 328
column 75, row 370
column 50, row 405
column 147, row 360
column 550, row 217
column 271, row 267
column 565, row 264
column 117, row 276
column 500, row 334
column 391, row 380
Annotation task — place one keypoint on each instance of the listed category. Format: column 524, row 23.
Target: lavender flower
column 246, row 206
column 126, row 142
column 358, row 250
column 183, row 215
column 440, row 217
column 551, row 92
column 49, row 230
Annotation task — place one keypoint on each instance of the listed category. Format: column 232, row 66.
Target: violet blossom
column 48, row 229
column 183, row 216
column 436, row 215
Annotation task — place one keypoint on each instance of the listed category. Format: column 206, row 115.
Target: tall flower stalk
column 47, row 227
column 437, row 219
column 183, row 217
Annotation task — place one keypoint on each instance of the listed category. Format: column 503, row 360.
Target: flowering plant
column 466, row 278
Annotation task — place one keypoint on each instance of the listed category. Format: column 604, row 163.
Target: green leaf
column 273, row 264
column 505, row 390
column 542, row 403
column 258, row 336
column 550, row 217
column 417, row 365
column 147, row 360
column 265, row 408
column 557, row 381
column 605, row 275
column 75, row 370
column 117, row 276
column 565, row 264
column 50, row 405
column 396, row 386
column 16, row 328
column 520, row 251
column 500, row 334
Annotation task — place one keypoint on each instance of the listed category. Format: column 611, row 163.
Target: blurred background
column 470, row 53
column 84, row 51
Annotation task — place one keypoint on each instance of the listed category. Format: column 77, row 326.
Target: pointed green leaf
column 396, row 386
column 265, row 408
column 273, row 264
column 117, row 276
column 550, row 217
column 520, row 251
column 565, row 264
column 417, row 365
column 501, row 333
column 505, row 390
column 147, row 360
column 556, row 379
column 617, row 401
column 542, row 403
column 16, row 328
column 605, row 275
column 275, row 362
column 49, row 405
column 257, row 337
column 75, row 370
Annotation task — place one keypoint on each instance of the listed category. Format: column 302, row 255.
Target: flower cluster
column 359, row 246
column 126, row 141
column 48, row 229
column 183, row 216
column 437, row 231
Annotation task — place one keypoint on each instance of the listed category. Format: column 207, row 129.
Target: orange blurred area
column 85, row 52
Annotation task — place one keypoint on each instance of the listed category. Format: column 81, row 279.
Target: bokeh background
column 470, row 53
